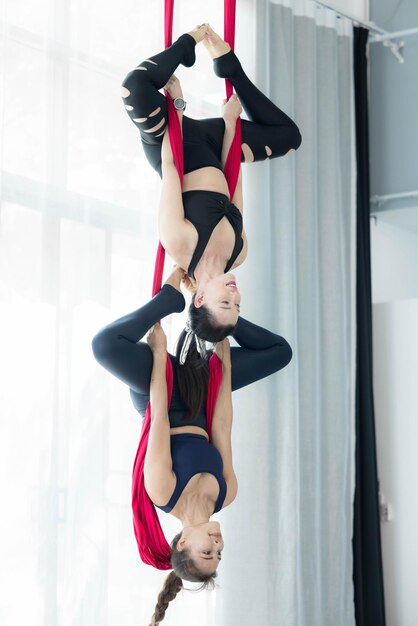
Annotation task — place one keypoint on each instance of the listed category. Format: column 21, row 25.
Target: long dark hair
column 193, row 375
column 183, row 569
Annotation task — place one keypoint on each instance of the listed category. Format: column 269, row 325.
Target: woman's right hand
column 173, row 87
column 157, row 339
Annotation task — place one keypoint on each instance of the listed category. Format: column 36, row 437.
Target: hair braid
column 172, row 585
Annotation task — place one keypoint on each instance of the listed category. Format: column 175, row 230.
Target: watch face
column 179, row 103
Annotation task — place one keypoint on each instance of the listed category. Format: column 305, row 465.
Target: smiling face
column 204, row 545
column 221, row 297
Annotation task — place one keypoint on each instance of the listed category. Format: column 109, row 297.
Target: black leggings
column 118, row 348
column 269, row 133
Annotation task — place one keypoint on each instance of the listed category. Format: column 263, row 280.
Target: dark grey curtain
column 368, row 573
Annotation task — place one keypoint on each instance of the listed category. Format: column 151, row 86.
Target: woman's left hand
column 231, row 110
column 157, row 339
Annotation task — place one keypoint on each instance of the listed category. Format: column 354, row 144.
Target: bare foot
column 214, row 44
column 199, row 32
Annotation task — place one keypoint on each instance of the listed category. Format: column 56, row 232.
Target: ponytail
column 192, row 377
column 183, row 569
column 193, row 374
column 172, row 585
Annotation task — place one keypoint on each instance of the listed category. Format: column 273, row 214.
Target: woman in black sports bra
column 192, row 227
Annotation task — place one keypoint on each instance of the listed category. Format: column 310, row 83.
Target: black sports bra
column 205, row 209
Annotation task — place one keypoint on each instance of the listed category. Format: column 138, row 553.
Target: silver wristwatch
column 179, row 104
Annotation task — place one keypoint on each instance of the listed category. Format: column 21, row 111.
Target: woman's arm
column 222, row 422
column 231, row 111
column 172, row 226
column 158, row 386
column 174, row 231
column 261, row 353
column 158, row 467
column 238, row 200
column 116, row 346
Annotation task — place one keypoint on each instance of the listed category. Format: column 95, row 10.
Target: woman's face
column 221, row 297
column 204, row 544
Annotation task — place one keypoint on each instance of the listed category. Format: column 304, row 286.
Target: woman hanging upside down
column 184, row 474
column 194, row 476
column 198, row 225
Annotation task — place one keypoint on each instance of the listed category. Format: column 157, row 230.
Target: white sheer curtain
column 77, row 243
column 293, row 436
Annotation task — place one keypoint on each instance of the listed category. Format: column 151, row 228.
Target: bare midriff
column 207, row 179
column 195, row 430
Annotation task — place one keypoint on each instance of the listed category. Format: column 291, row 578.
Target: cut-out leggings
column 269, row 133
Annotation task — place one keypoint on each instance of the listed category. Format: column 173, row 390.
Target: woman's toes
column 199, row 32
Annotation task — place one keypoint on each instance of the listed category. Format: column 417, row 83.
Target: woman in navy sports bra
column 195, row 477
column 192, row 227
column 185, row 475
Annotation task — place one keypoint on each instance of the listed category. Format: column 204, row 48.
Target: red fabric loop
column 233, row 161
column 152, row 545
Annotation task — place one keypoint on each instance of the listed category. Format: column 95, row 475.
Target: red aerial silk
column 233, row 161
column 153, row 547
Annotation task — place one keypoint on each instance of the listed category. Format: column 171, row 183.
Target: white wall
column 395, row 334
column 394, row 249
column 394, row 257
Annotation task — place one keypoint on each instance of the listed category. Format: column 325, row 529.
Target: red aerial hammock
column 153, row 547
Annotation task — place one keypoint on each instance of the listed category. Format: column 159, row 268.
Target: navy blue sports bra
column 193, row 454
column 205, row 209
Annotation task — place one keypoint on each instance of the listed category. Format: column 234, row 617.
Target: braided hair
column 172, row 585
column 183, row 569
